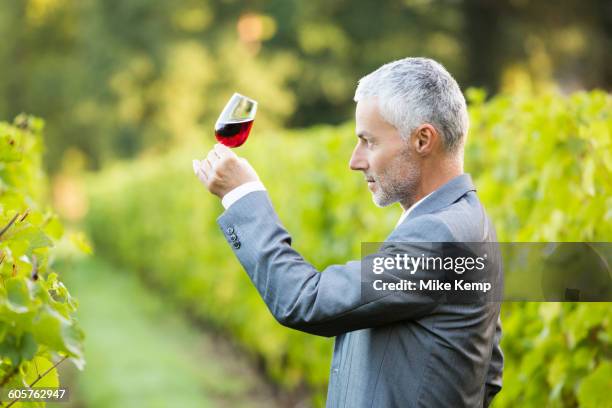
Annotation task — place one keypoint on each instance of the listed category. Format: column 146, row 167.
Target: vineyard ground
column 141, row 352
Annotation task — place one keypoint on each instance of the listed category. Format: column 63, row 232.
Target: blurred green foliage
column 36, row 310
column 543, row 169
column 119, row 77
column 542, row 166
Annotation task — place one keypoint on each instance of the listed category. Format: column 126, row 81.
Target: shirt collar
column 409, row 210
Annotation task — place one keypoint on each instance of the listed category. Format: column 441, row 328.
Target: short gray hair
column 413, row 91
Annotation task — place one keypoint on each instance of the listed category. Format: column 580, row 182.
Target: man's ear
column 425, row 138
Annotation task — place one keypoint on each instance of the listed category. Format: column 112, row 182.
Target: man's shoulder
column 463, row 220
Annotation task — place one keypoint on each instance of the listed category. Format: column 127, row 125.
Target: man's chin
column 381, row 202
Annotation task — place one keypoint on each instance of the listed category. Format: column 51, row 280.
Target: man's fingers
column 212, row 157
column 206, row 167
column 197, row 169
column 201, row 173
column 223, row 151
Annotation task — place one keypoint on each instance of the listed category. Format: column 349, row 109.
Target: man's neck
column 433, row 179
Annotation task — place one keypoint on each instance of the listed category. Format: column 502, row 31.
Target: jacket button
column 229, row 230
column 234, row 237
column 236, row 244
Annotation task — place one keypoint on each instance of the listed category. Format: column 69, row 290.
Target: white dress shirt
column 240, row 191
column 409, row 210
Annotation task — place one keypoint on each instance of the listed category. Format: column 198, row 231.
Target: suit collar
column 444, row 196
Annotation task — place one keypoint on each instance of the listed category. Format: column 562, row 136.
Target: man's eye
column 366, row 142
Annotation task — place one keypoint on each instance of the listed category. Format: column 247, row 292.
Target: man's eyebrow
column 364, row 134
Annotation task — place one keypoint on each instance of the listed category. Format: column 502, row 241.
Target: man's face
column 387, row 161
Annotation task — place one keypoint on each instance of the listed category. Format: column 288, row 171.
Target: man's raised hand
column 222, row 170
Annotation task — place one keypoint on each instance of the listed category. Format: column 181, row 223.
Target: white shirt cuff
column 240, row 191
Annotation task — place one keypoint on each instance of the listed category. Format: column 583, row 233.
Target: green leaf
column 10, row 146
column 9, row 348
column 594, row 391
column 54, row 228
column 18, row 295
column 36, row 237
column 37, row 367
column 584, row 358
column 79, row 239
column 588, row 177
column 557, row 371
column 59, row 333
column 28, row 346
column 19, row 349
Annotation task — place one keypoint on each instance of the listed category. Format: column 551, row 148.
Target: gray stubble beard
column 400, row 181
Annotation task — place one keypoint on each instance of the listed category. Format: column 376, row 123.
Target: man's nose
column 358, row 160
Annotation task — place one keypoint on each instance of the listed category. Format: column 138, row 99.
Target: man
column 391, row 350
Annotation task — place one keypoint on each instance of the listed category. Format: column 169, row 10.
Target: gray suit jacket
column 392, row 351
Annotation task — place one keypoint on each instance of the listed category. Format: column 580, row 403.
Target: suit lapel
column 444, row 196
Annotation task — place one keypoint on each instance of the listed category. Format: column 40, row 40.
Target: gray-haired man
column 393, row 350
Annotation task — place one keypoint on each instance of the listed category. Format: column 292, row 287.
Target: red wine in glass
column 233, row 134
column 234, row 124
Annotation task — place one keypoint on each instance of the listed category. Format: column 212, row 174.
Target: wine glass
column 234, row 124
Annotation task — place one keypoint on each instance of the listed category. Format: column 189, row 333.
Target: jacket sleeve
column 325, row 303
